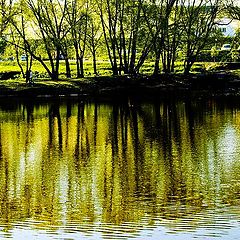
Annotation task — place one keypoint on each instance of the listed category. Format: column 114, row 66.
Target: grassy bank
column 103, row 67
column 210, row 81
column 140, row 85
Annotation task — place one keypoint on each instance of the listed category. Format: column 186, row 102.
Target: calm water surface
column 87, row 170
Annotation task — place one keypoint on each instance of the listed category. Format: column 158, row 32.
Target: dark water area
column 128, row 169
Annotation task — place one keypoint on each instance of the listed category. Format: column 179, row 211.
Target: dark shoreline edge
column 220, row 84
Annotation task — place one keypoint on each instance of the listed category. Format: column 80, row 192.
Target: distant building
column 228, row 26
column 23, row 57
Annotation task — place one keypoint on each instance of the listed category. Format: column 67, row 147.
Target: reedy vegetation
column 130, row 31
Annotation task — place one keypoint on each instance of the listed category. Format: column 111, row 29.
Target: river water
column 120, row 170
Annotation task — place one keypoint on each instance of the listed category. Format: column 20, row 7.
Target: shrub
column 9, row 75
column 215, row 55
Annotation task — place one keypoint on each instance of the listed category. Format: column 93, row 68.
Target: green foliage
column 215, row 55
column 3, row 45
column 116, row 37
column 235, row 55
column 214, row 52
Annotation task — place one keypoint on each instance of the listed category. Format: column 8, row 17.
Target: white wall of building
column 228, row 27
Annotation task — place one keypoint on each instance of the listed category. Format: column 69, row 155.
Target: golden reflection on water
column 118, row 167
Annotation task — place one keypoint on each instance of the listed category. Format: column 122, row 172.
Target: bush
column 205, row 56
column 218, row 56
column 9, row 75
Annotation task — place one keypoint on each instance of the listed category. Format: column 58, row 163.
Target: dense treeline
column 129, row 31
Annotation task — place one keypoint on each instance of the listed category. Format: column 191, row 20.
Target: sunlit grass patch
column 103, row 68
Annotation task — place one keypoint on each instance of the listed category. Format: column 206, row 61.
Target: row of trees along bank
column 129, row 31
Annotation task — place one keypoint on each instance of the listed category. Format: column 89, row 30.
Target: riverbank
column 218, row 83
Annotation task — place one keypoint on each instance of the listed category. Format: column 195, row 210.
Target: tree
column 198, row 22
column 172, row 38
column 158, row 25
column 77, row 17
column 7, row 12
column 49, row 20
column 3, row 45
column 233, row 9
column 94, row 37
column 121, row 23
column 109, row 13
column 130, row 27
column 19, row 41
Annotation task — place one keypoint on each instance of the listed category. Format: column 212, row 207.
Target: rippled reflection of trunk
column 139, row 159
column 110, row 166
column 50, row 165
column 4, row 200
column 69, row 113
column 1, row 155
column 27, row 194
column 176, row 138
column 95, row 126
column 54, row 112
column 77, row 146
column 167, row 149
column 124, row 116
column 28, row 107
column 190, row 116
column 114, row 137
column 69, row 109
column 82, row 148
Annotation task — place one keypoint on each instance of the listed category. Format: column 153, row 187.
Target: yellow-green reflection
column 62, row 163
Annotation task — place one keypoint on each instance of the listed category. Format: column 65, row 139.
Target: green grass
column 103, row 68
column 42, row 86
column 45, row 86
column 8, row 66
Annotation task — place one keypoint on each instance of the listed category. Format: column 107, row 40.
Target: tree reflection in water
column 116, row 163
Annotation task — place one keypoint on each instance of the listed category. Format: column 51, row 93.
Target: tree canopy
column 127, row 31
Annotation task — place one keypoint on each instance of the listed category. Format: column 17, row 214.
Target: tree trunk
column 173, row 61
column 18, row 62
column 81, row 67
column 55, row 69
column 133, row 58
column 114, row 66
column 55, row 75
column 94, row 63
column 157, row 61
column 78, row 66
column 68, row 69
column 188, row 66
column 125, row 60
column 66, row 59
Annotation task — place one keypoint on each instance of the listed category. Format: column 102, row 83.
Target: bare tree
column 109, row 14
column 157, row 15
column 172, row 38
column 232, row 8
column 198, row 21
column 94, row 37
column 7, row 12
column 77, row 18
column 18, row 38
column 122, row 22
column 51, row 27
